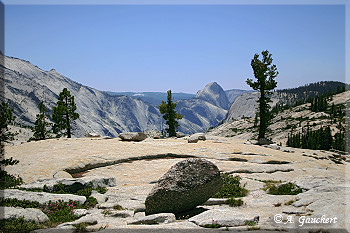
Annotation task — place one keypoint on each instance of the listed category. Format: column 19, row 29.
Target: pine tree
column 265, row 73
column 6, row 119
column 64, row 114
column 170, row 115
column 41, row 125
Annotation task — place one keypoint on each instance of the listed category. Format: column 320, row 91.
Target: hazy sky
column 178, row 47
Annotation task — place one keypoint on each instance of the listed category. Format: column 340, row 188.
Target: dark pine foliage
column 320, row 139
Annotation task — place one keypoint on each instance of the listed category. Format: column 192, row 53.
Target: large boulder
column 133, row 136
column 186, row 185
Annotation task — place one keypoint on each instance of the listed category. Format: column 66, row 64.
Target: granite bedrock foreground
column 325, row 183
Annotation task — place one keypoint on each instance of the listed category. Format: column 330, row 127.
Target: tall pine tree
column 41, row 131
column 170, row 115
column 265, row 73
column 64, row 114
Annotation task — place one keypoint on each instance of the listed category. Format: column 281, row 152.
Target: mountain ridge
column 100, row 112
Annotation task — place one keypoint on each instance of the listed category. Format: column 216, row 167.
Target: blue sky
column 178, row 47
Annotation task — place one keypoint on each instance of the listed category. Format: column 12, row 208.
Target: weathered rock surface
column 192, row 140
column 73, row 184
column 187, row 184
column 264, row 141
column 62, row 174
column 80, row 212
column 154, row 219
column 199, row 136
column 133, row 136
column 325, row 183
column 29, row 214
column 223, row 217
column 41, row 197
column 180, row 135
column 93, row 135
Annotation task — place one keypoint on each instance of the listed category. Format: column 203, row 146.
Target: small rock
column 200, row 136
column 93, row 135
column 187, row 184
column 264, row 141
column 180, row 135
column 29, row 214
column 192, row 140
column 62, row 174
column 99, row 181
column 154, row 219
column 133, row 136
column 291, row 210
column 80, row 212
column 122, row 213
column 215, row 201
column 223, row 217
column 101, row 198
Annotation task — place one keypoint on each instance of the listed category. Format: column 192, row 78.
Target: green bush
column 234, row 202
column 231, row 187
column 84, row 192
column 8, row 180
column 101, row 190
column 249, row 223
column 284, row 189
column 18, row 225
column 90, row 202
column 18, row 203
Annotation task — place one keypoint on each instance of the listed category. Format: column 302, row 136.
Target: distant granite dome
column 214, row 94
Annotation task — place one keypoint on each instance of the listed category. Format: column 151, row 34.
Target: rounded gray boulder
column 186, row 185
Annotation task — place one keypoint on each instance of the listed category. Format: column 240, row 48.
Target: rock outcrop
column 72, row 184
column 41, row 197
column 187, row 184
column 133, row 136
column 29, row 214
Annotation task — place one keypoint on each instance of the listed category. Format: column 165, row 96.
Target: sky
column 179, row 47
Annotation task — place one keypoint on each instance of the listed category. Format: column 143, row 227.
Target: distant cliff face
column 214, row 94
column 245, row 105
column 26, row 85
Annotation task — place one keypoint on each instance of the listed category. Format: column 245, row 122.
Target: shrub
column 59, row 212
column 285, row 189
column 90, row 202
column 289, row 202
column 118, row 207
column 84, row 192
column 18, row 203
column 234, row 202
column 231, row 187
column 101, row 190
column 81, row 227
column 249, row 223
column 269, row 184
column 8, row 180
column 214, row 224
column 18, row 225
